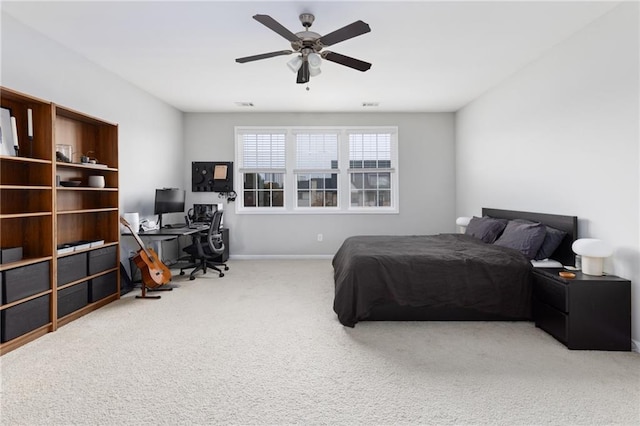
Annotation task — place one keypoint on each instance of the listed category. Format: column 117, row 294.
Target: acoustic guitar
column 154, row 272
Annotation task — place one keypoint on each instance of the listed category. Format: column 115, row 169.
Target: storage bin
column 25, row 317
column 103, row 286
column 72, row 298
column 10, row 254
column 102, row 259
column 72, row 268
column 25, row 281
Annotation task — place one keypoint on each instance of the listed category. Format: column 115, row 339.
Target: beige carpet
column 263, row 346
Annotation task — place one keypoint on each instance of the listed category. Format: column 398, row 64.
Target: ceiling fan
column 309, row 45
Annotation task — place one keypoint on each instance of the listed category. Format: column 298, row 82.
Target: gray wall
column 150, row 131
column 426, row 172
column 561, row 136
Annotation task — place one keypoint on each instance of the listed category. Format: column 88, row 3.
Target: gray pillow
column 485, row 228
column 552, row 240
column 527, row 237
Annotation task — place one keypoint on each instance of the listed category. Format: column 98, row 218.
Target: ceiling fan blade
column 303, row 73
column 263, row 56
column 352, row 30
column 347, row 61
column 274, row 25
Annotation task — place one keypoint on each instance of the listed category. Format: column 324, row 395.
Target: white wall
column 150, row 131
column 426, row 169
column 561, row 136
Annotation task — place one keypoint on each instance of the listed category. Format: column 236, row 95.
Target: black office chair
column 206, row 248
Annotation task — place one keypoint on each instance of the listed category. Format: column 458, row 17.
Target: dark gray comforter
column 446, row 270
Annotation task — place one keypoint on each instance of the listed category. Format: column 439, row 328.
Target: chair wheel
column 226, row 268
column 181, row 272
column 221, row 274
column 192, row 278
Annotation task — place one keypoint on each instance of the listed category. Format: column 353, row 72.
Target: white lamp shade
column 593, row 252
column 314, row 60
column 295, row 64
column 314, row 71
column 591, row 247
column 134, row 221
column 463, row 221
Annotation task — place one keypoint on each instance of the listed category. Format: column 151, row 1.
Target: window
column 263, row 169
column 317, row 170
column 370, row 169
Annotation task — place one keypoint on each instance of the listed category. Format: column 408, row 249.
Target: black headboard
column 568, row 224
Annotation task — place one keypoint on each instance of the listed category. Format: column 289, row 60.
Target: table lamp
column 593, row 252
column 463, row 222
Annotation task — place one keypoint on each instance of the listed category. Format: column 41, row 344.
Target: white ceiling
column 426, row 55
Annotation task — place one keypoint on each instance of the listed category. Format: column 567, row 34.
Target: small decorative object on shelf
column 14, row 132
column 86, row 159
column 63, row 153
column 30, row 130
column 6, row 133
column 96, row 181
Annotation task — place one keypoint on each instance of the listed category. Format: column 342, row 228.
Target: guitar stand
column 144, row 292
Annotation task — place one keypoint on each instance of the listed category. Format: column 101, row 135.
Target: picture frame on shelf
column 6, row 133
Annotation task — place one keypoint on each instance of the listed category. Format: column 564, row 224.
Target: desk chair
column 207, row 246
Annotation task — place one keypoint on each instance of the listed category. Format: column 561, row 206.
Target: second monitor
column 168, row 200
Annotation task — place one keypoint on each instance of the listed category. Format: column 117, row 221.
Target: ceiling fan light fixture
column 295, row 64
column 314, row 61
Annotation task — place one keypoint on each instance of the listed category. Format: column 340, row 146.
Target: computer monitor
column 168, row 200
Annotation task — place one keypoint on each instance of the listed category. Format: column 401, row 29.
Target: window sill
column 310, row 211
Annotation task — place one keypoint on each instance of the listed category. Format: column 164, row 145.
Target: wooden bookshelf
column 38, row 216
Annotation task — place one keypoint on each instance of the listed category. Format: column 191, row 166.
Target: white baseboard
column 281, row 257
column 635, row 346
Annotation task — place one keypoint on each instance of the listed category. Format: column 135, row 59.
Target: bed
column 447, row 277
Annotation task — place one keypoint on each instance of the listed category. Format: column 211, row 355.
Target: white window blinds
column 317, row 151
column 263, row 151
column 370, row 151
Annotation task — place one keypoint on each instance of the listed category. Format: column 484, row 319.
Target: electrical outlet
column 319, row 237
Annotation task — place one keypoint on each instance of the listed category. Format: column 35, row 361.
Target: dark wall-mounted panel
column 212, row 176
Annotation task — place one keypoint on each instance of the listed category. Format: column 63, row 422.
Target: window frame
column 343, row 171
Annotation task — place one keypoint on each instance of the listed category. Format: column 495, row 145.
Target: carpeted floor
column 263, row 346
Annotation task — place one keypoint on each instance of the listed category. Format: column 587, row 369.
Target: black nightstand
column 585, row 312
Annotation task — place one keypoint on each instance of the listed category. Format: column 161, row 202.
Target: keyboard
column 176, row 225
column 198, row 225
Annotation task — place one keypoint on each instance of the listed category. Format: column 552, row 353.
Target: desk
column 164, row 234
column 155, row 238
column 170, row 233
